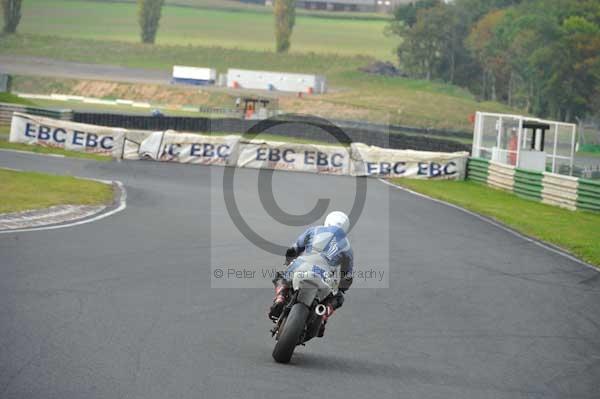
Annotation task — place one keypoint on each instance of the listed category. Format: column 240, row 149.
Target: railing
column 315, row 131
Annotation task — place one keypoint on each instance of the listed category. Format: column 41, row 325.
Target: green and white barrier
column 588, row 195
column 550, row 188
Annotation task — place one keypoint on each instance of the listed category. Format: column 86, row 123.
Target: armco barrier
column 347, row 124
column 7, row 110
column 142, row 122
column 550, row 188
column 379, row 137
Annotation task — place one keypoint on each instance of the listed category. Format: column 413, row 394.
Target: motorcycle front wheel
column 289, row 337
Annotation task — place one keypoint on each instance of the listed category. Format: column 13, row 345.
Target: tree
column 149, row 12
column 285, row 18
column 541, row 55
column 552, row 51
column 483, row 43
column 422, row 51
column 407, row 13
column 432, row 34
column 571, row 69
column 524, row 36
column 12, row 15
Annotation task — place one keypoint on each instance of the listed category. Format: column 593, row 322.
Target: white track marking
column 122, row 206
column 539, row 243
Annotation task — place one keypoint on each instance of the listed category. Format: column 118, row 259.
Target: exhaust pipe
column 321, row 309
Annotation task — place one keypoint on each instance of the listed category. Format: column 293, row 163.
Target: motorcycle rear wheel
column 289, row 337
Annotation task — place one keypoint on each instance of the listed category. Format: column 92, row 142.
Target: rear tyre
column 292, row 329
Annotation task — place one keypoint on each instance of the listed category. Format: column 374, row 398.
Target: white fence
column 524, row 142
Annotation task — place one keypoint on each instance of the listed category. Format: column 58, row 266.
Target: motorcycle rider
column 331, row 243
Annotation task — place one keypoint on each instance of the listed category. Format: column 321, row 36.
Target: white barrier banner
column 383, row 162
column 357, row 160
column 72, row 136
column 133, row 141
column 172, row 146
column 295, row 157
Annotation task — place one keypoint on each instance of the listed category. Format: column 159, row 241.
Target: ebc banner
column 294, row 157
column 384, row 162
column 72, row 136
column 172, row 146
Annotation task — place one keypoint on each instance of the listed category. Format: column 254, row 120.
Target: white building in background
column 194, row 75
column 349, row 5
column 276, row 81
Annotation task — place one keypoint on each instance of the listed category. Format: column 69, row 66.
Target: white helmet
column 338, row 219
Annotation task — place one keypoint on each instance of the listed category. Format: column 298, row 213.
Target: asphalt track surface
column 39, row 66
column 123, row 307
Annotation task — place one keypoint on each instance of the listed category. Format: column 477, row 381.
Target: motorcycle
column 312, row 283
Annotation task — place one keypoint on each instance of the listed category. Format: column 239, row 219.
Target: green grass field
column 204, row 27
column 576, row 231
column 21, row 191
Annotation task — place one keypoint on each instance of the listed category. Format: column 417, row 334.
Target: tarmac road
column 41, row 66
column 123, row 307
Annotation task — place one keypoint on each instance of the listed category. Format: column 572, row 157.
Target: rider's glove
column 336, row 301
column 290, row 255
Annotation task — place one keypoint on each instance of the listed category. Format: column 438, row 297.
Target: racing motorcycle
column 312, row 283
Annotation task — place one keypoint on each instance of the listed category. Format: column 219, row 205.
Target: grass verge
column 576, row 231
column 10, row 98
column 21, row 191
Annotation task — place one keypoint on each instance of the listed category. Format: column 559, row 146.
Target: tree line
column 542, row 56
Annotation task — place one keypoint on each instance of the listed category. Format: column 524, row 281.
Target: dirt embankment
column 324, row 107
column 156, row 94
column 327, row 106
